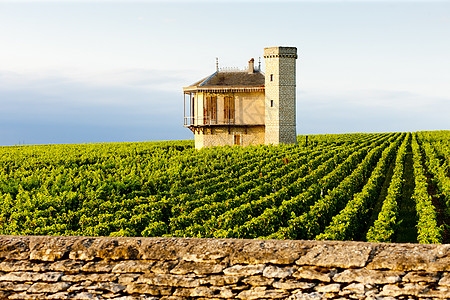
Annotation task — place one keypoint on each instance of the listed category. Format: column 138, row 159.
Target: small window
column 271, row 77
column 271, row 103
column 237, row 139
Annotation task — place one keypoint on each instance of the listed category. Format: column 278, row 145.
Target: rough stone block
column 421, row 277
column 26, row 296
column 163, row 267
column 262, row 293
column 113, row 295
column 258, row 280
column 328, row 288
column 411, row 257
column 143, row 288
column 142, row 297
column 111, row 286
column 314, row 273
column 13, row 286
column 445, row 280
column 86, row 296
column 211, row 250
column 47, row 248
column 201, row 291
column 219, row 280
column 88, row 248
column 172, row 298
column 278, row 272
column 306, row 296
column 440, row 292
column 371, row 297
column 268, row 252
column 409, row 289
column 58, row 296
column 133, row 266
column 201, row 268
column 93, row 277
column 354, row 288
column 14, row 247
column 160, row 249
column 368, row 276
column 31, row 276
column 76, row 287
column 292, row 284
column 223, row 292
column 169, row 280
column 42, row 287
column 102, row 266
column 16, row 265
column 335, row 254
column 4, row 294
column 128, row 278
column 67, row 266
column 245, row 270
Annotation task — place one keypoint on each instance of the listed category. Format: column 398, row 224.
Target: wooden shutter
column 214, row 108
column 228, row 113
column 210, row 109
column 205, row 110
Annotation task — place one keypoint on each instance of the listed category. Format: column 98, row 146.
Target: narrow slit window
column 271, row 77
column 271, row 103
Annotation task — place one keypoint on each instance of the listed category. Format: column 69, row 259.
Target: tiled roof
column 232, row 79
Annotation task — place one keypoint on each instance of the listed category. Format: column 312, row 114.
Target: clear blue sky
column 103, row 71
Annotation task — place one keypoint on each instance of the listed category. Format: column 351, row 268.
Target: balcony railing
column 188, row 121
column 192, row 121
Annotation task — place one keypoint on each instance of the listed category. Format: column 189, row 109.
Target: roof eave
column 221, row 88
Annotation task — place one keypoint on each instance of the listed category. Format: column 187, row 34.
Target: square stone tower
column 280, row 95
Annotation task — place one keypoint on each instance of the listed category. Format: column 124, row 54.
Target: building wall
column 280, row 119
column 249, row 110
column 225, row 135
column 249, row 107
column 50, row 267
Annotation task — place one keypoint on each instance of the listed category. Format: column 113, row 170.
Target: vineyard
column 383, row 187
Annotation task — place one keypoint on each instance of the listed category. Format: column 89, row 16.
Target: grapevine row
column 427, row 228
column 383, row 229
column 351, row 220
column 311, row 222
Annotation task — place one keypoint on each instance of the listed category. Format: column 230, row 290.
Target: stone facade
column 33, row 267
column 229, row 135
column 280, row 95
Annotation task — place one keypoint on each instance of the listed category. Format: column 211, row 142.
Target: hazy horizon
column 113, row 71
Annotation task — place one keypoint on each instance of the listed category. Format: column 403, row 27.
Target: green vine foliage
column 328, row 188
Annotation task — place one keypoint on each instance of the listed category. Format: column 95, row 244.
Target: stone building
column 247, row 107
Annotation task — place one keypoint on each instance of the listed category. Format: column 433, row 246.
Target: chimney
column 251, row 68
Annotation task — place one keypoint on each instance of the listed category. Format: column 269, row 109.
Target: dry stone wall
column 33, row 267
